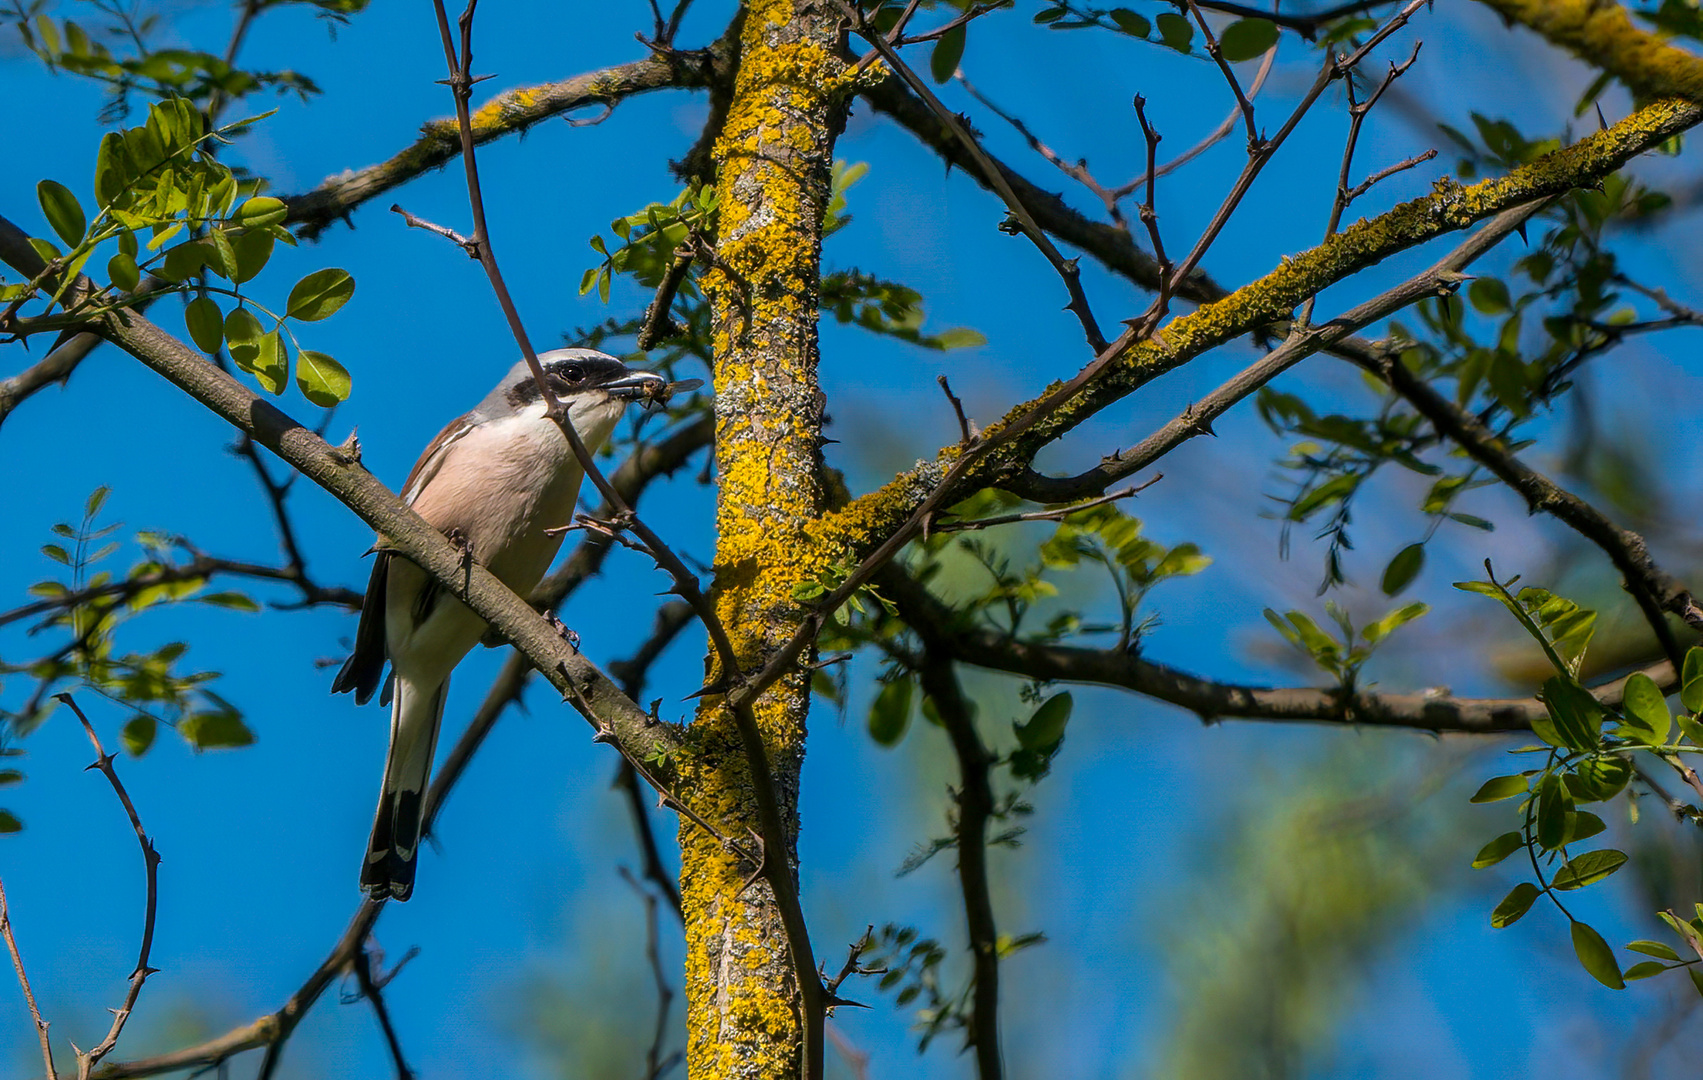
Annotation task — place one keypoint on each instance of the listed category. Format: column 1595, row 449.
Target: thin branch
column 1653, row 588
column 1057, row 513
column 656, row 1064
column 1443, row 278
column 1213, row 50
column 1025, row 223
column 510, row 112
column 87, row 1060
column 975, row 805
column 24, row 981
column 1432, row 711
column 373, row 991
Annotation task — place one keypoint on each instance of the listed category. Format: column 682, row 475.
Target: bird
column 501, row 482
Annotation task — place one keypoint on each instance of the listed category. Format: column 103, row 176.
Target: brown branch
column 198, row 567
column 87, row 1060
column 975, row 805
column 1057, row 513
column 671, row 618
column 373, row 991
column 1653, row 588
column 508, row 113
column 1025, row 223
column 655, row 1064
column 24, row 981
column 1443, row 278
column 1243, row 105
column 1434, row 711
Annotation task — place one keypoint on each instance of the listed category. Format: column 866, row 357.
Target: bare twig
column 444, row 231
column 656, row 1064
column 1057, row 513
column 966, row 430
column 1443, row 277
column 1213, row 50
column 373, row 990
column 87, row 1060
column 1021, row 218
column 24, row 981
column 975, row 805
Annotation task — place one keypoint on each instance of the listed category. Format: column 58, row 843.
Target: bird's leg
column 465, row 546
column 561, row 628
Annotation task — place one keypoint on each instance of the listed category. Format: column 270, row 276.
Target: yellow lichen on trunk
column 773, row 160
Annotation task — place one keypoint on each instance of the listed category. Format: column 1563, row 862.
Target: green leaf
column 1577, row 716
column 253, row 248
column 97, row 499
column 1497, row 850
column 57, row 554
column 1692, row 729
column 1554, row 803
column 243, row 332
column 1585, row 825
column 1655, row 949
column 63, row 211
column 1597, row 957
column 1691, row 683
column 9, row 822
column 1175, row 31
column 1589, row 868
column 1515, row 904
column 1131, row 23
column 1498, row 788
column 322, row 380
column 320, row 294
column 261, row 210
column 10, row 776
column 272, row 363
column 206, row 324
column 1696, row 978
column 1489, row 296
column 948, row 51
column 233, row 600
column 224, row 260
column 1387, row 625
column 890, row 713
column 1647, row 719
column 1401, row 571
column 1046, row 726
column 210, row 730
column 1599, row 779
column 138, row 734
column 1246, row 39
column 1644, row 969
column 121, row 270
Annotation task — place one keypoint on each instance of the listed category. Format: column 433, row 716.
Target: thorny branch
column 656, row 1065
column 1021, row 219
column 24, row 981
column 975, row 805
column 1032, row 415
column 373, row 991
column 87, row 1060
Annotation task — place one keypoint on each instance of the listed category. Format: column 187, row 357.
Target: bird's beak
column 633, row 387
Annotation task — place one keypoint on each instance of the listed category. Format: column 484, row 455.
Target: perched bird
column 497, row 481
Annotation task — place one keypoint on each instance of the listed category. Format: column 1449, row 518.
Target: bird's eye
column 574, row 373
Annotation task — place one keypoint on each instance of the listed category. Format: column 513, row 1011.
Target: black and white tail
column 388, row 871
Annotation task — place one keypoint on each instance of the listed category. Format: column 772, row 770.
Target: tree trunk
column 774, row 159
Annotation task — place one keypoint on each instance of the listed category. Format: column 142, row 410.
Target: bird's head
column 593, row 386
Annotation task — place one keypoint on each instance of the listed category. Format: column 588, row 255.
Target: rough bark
column 744, row 1007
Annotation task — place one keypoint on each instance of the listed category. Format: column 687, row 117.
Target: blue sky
column 260, row 845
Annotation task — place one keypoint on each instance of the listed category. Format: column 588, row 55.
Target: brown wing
column 365, row 666
column 432, row 457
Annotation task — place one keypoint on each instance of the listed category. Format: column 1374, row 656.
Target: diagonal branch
column 1441, row 279
column 24, row 981
column 87, row 1060
column 510, row 112
column 1433, row 710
